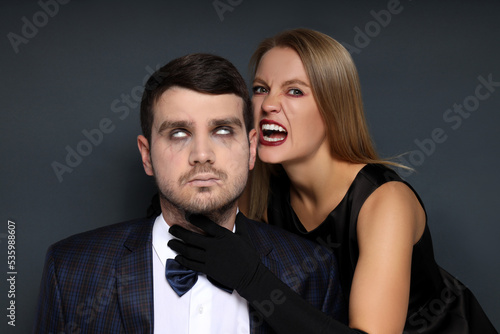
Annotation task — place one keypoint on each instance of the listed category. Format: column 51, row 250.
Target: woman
column 327, row 184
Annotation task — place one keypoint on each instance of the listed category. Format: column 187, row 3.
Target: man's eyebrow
column 226, row 121
column 174, row 124
column 187, row 124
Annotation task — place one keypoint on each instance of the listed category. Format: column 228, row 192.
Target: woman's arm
column 390, row 222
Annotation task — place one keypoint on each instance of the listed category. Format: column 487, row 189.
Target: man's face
column 199, row 152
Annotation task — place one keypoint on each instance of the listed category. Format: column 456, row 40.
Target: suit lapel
column 135, row 281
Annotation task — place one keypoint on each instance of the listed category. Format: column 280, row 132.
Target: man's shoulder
column 310, row 269
column 106, row 238
column 279, row 239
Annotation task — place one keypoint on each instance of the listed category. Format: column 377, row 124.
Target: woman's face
column 287, row 118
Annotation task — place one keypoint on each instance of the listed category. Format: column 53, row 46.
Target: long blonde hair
column 337, row 92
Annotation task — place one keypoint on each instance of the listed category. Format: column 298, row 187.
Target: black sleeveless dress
column 439, row 303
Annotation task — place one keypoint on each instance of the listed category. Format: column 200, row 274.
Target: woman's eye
column 295, row 92
column 260, row 90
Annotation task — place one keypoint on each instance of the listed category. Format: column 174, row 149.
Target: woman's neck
column 317, row 186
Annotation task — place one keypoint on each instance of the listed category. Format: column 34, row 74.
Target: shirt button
column 200, row 309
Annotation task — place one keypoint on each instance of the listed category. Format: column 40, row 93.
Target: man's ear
column 143, row 145
column 252, row 138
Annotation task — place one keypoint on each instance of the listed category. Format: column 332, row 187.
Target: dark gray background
column 83, row 59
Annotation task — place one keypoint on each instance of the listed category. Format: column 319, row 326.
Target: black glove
column 221, row 254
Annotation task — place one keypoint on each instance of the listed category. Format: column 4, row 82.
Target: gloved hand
column 221, row 254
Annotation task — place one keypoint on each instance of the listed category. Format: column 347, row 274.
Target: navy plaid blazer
column 101, row 281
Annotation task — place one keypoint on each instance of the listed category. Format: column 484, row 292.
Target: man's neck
column 174, row 216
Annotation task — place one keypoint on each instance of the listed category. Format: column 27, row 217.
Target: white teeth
column 272, row 139
column 273, row 127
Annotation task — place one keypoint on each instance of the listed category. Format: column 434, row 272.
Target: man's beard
column 217, row 209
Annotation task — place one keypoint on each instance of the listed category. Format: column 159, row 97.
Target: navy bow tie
column 182, row 279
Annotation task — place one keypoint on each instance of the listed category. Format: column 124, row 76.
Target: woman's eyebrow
column 294, row 82
column 258, row 80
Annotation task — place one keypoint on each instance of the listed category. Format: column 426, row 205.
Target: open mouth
column 272, row 133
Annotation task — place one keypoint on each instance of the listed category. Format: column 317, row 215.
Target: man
column 197, row 144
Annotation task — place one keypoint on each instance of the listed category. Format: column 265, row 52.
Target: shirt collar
column 161, row 237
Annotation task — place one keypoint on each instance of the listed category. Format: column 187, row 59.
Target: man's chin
column 204, row 211
column 217, row 213
column 217, row 207
column 207, row 206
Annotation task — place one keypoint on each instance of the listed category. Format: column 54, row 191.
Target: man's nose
column 201, row 151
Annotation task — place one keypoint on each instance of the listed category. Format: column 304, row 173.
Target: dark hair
column 203, row 73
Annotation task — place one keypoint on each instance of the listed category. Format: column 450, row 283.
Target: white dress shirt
column 203, row 309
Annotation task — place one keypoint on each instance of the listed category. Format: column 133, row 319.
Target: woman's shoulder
column 391, row 202
column 383, row 185
column 380, row 183
column 378, row 174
